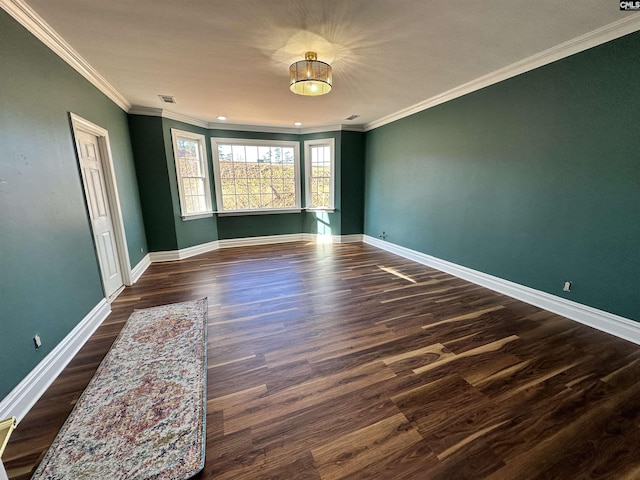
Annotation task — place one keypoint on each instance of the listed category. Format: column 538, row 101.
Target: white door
column 98, row 203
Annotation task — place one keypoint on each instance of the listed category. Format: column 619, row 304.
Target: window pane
column 257, row 176
column 320, row 181
column 201, row 187
column 224, row 152
column 192, row 171
column 238, row 153
column 188, row 204
column 265, row 171
column 201, row 204
column 288, row 155
column 240, row 170
column 251, row 153
column 243, row 202
column 254, row 201
column 229, row 202
column 278, row 201
column 186, row 185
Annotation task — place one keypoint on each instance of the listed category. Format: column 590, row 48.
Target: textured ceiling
column 231, row 58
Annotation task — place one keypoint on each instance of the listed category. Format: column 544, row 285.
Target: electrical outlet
column 567, row 286
column 37, row 341
column 383, row 235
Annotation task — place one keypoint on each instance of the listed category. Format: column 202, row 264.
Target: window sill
column 327, row 210
column 238, row 213
column 196, row 216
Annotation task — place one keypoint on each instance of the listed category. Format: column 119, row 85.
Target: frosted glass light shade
column 310, row 76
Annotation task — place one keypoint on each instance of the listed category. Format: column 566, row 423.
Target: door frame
column 80, row 124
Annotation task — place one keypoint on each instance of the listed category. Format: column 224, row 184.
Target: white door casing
column 99, row 211
column 96, row 167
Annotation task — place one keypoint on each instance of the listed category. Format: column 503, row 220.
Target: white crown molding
column 293, row 131
column 184, row 119
column 592, row 39
column 614, row 30
column 148, row 111
column 30, row 389
column 353, row 128
column 252, row 128
column 321, row 129
column 29, row 19
column 159, row 112
column 604, row 321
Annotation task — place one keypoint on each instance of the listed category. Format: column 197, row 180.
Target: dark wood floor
column 345, row 361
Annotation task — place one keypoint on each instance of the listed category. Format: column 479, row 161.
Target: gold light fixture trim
column 310, row 76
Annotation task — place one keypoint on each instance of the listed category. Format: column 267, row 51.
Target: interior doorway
column 101, row 195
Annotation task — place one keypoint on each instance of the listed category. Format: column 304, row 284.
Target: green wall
column 50, row 278
column 165, row 229
column 153, row 153
column 196, row 231
column 153, row 182
column 352, row 183
column 535, row 179
column 257, row 225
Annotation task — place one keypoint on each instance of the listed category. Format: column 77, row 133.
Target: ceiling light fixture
column 222, row 118
column 298, row 124
column 310, row 76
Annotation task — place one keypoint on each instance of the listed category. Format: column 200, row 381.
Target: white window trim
column 262, row 143
column 264, row 211
column 307, row 169
column 175, row 134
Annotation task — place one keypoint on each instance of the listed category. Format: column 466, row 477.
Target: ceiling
column 231, row 58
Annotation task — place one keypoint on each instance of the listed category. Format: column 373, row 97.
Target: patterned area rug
column 143, row 414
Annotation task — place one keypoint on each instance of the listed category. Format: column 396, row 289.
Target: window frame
column 331, row 143
column 216, row 141
column 177, row 134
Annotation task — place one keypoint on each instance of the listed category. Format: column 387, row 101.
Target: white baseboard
column 353, row 238
column 140, row 268
column 294, row 237
column 265, row 240
column 173, row 255
column 607, row 322
column 30, row 389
